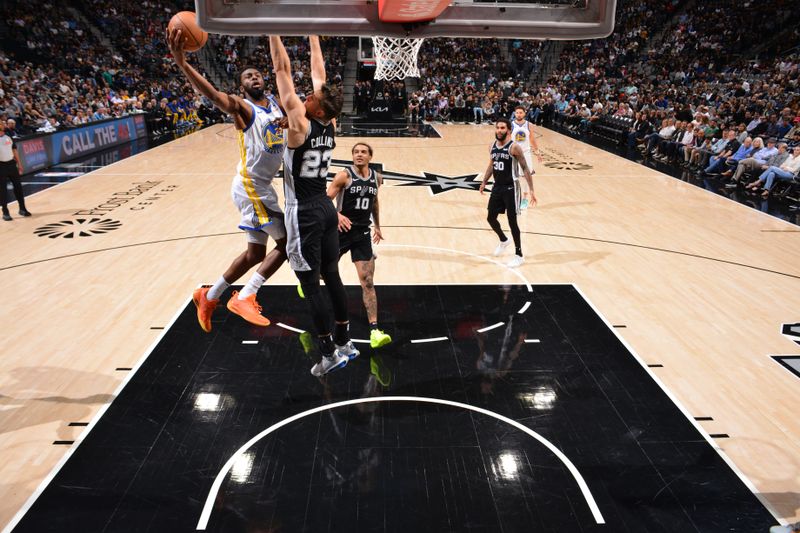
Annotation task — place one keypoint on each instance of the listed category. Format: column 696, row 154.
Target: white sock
column 252, row 286
column 217, row 289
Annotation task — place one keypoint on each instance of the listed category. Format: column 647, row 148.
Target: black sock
column 341, row 333
column 518, row 251
column 326, row 345
column 373, row 325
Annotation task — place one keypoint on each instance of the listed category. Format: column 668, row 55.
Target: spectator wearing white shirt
column 787, row 171
column 664, row 134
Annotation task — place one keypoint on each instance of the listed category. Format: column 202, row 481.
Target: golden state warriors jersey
column 262, row 142
column 261, row 147
column 520, row 133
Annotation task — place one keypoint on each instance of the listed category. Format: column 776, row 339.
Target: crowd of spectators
column 61, row 75
column 526, row 57
column 389, row 94
column 463, row 80
column 688, row 89
column 229, row 51
column 693, row 71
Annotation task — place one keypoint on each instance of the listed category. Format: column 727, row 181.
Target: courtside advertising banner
column 55, row 148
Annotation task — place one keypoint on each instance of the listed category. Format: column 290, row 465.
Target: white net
column 396, row 58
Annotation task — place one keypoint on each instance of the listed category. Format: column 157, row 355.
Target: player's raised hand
column 377, row 236
column 175, row 43
column 344, row 223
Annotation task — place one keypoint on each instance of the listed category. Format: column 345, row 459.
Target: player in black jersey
column 505, row 195
column 311, row 221
column 356, row 193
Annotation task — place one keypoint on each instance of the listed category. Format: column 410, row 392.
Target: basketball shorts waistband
column 309, row 203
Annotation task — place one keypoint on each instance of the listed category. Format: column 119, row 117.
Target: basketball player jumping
column 505, row 156
column 522, row 132
column 356, row 192
column 261, row 145
column 311, row 220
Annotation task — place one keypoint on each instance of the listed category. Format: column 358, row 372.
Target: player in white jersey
column 522, row 134
column 259, row 121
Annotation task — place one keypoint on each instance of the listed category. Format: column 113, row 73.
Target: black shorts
column 357, row 241
column 504, row 199
column 312, row 234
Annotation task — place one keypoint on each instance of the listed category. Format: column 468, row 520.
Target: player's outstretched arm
column 334, row 188
column 377, row 235
column 318, row 76
column 486, row 176
column 534, row 145
column 295, row 109
column 227, row 103
column 517, row 153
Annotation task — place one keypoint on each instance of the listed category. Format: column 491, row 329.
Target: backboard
column 541, row 19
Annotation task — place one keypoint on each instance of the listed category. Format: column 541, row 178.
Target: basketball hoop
column 396, row 57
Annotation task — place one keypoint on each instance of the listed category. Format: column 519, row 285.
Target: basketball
column 194, row 38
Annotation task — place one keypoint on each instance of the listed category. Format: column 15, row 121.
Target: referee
column 10, row 169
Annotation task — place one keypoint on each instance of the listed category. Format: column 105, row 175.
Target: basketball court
column 638, row 373
column 637, row 340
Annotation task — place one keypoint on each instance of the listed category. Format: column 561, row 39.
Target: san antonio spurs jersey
column 356, row 200
column 305, row 175
column 261, row 147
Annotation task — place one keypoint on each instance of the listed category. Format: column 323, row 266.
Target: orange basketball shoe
column 205, row 307
column 247, row 309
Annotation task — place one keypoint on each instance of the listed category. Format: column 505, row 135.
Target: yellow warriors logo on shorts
column 273, row 137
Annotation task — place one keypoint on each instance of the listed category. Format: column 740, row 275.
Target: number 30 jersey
column 306, row 167
column 502, row 162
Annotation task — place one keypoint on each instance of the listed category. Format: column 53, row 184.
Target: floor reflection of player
column 497, row 366
column 364, row 418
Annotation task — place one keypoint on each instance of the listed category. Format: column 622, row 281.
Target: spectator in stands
column 11, row 128
column 683, row 136
column 700, row 156
column 775, row 161
column 733, row 162
column 757, row 160
column 414, row 111
column 639, row 129
column 793, row 130
column 477, row 111
column 787, row 171
column 734, row 149
column 459, row 110
column 664, row 134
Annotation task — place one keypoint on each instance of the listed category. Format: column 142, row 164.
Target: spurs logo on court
column 792, row 331
column 568, row 165
column 79, row 227
column 437, row 183
column 560, row 161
